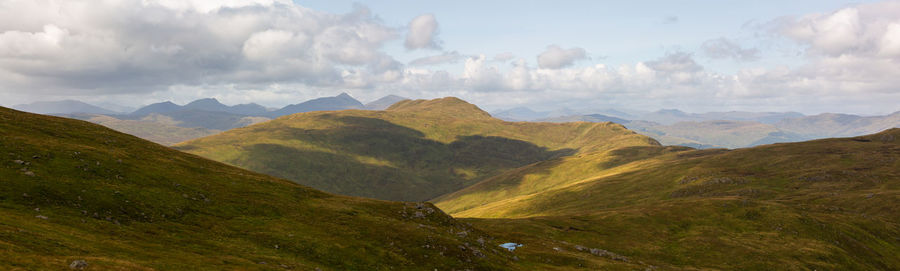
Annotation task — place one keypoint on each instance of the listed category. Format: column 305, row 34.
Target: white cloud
column 422, row 33
column 556, row 57
column 725, row 48
column 139, row 46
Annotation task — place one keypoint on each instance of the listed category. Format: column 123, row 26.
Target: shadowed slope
column 415, row 150
column 824, row 204
column 75, row 190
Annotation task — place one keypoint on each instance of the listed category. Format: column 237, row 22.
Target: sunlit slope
column 415, row 150
column 826, row 204
column 73, row 190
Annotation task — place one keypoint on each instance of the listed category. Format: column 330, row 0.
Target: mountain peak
column 448, row 105
column 344, row 95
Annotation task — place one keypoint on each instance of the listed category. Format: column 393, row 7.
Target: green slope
column 826, row 204
column 415, row 150
column 73, row 190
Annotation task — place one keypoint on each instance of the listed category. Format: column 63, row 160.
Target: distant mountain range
column 168, row 123
column 734, row 129
column 63, row 107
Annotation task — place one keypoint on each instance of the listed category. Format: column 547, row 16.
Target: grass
column 416, row 150
column 824, row 204
column 76, row 190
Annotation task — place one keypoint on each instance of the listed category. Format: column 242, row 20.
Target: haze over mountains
column 736, row 129
column 168, row 123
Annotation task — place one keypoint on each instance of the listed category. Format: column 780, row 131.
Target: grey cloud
column 556, row 57
column 675, row 62
column 444, row 58
column 422, row 33
column 724, row 48
column 143, row 46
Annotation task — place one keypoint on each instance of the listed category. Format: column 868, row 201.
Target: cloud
column 139, row 46
column 724, row 48
column 863, row 30
column 422, row 33
column 444, row 58
column 556, row 57
column 503, row 57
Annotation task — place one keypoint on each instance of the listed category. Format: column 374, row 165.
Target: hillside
column 414, row 150
column 157, row 128
column 827, row 204
column 838, row 125
column 62, row 107
column 77, row 191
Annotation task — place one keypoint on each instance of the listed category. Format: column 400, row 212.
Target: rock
column 78, row 265
column 29, row 173
column 18, row 162
column 41, row 217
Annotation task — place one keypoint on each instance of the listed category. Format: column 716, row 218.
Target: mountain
column 669, row 116
column 213, row 105
column 158, row 108
column 76, row 191
column 832, row 125
column 719, row 133
column 762, row 117
column 207, row 104
column 414, row 150
column 384, row 102
column 119, row 109
column 587, row 118
column 823, row 204
column 526, row 114
column 157, row 128
column 340, row 102
column 519, row 114
column 755, row 129
column 250, row 109
column 62, row 107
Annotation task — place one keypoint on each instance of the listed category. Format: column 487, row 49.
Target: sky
column 697, row 56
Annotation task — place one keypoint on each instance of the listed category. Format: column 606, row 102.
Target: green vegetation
column 73, row 190
column 825, row 204
column 156, row 128
column 414, row 150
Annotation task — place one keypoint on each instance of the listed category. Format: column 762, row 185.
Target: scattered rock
column 18, row 162
column 41, row 217
column 78, row 265
column 29, row 173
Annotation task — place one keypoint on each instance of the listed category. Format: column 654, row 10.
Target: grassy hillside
column 415, row 150
column 718, row 133
column 826, row 204
column 156, row 128
column 73, row 190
